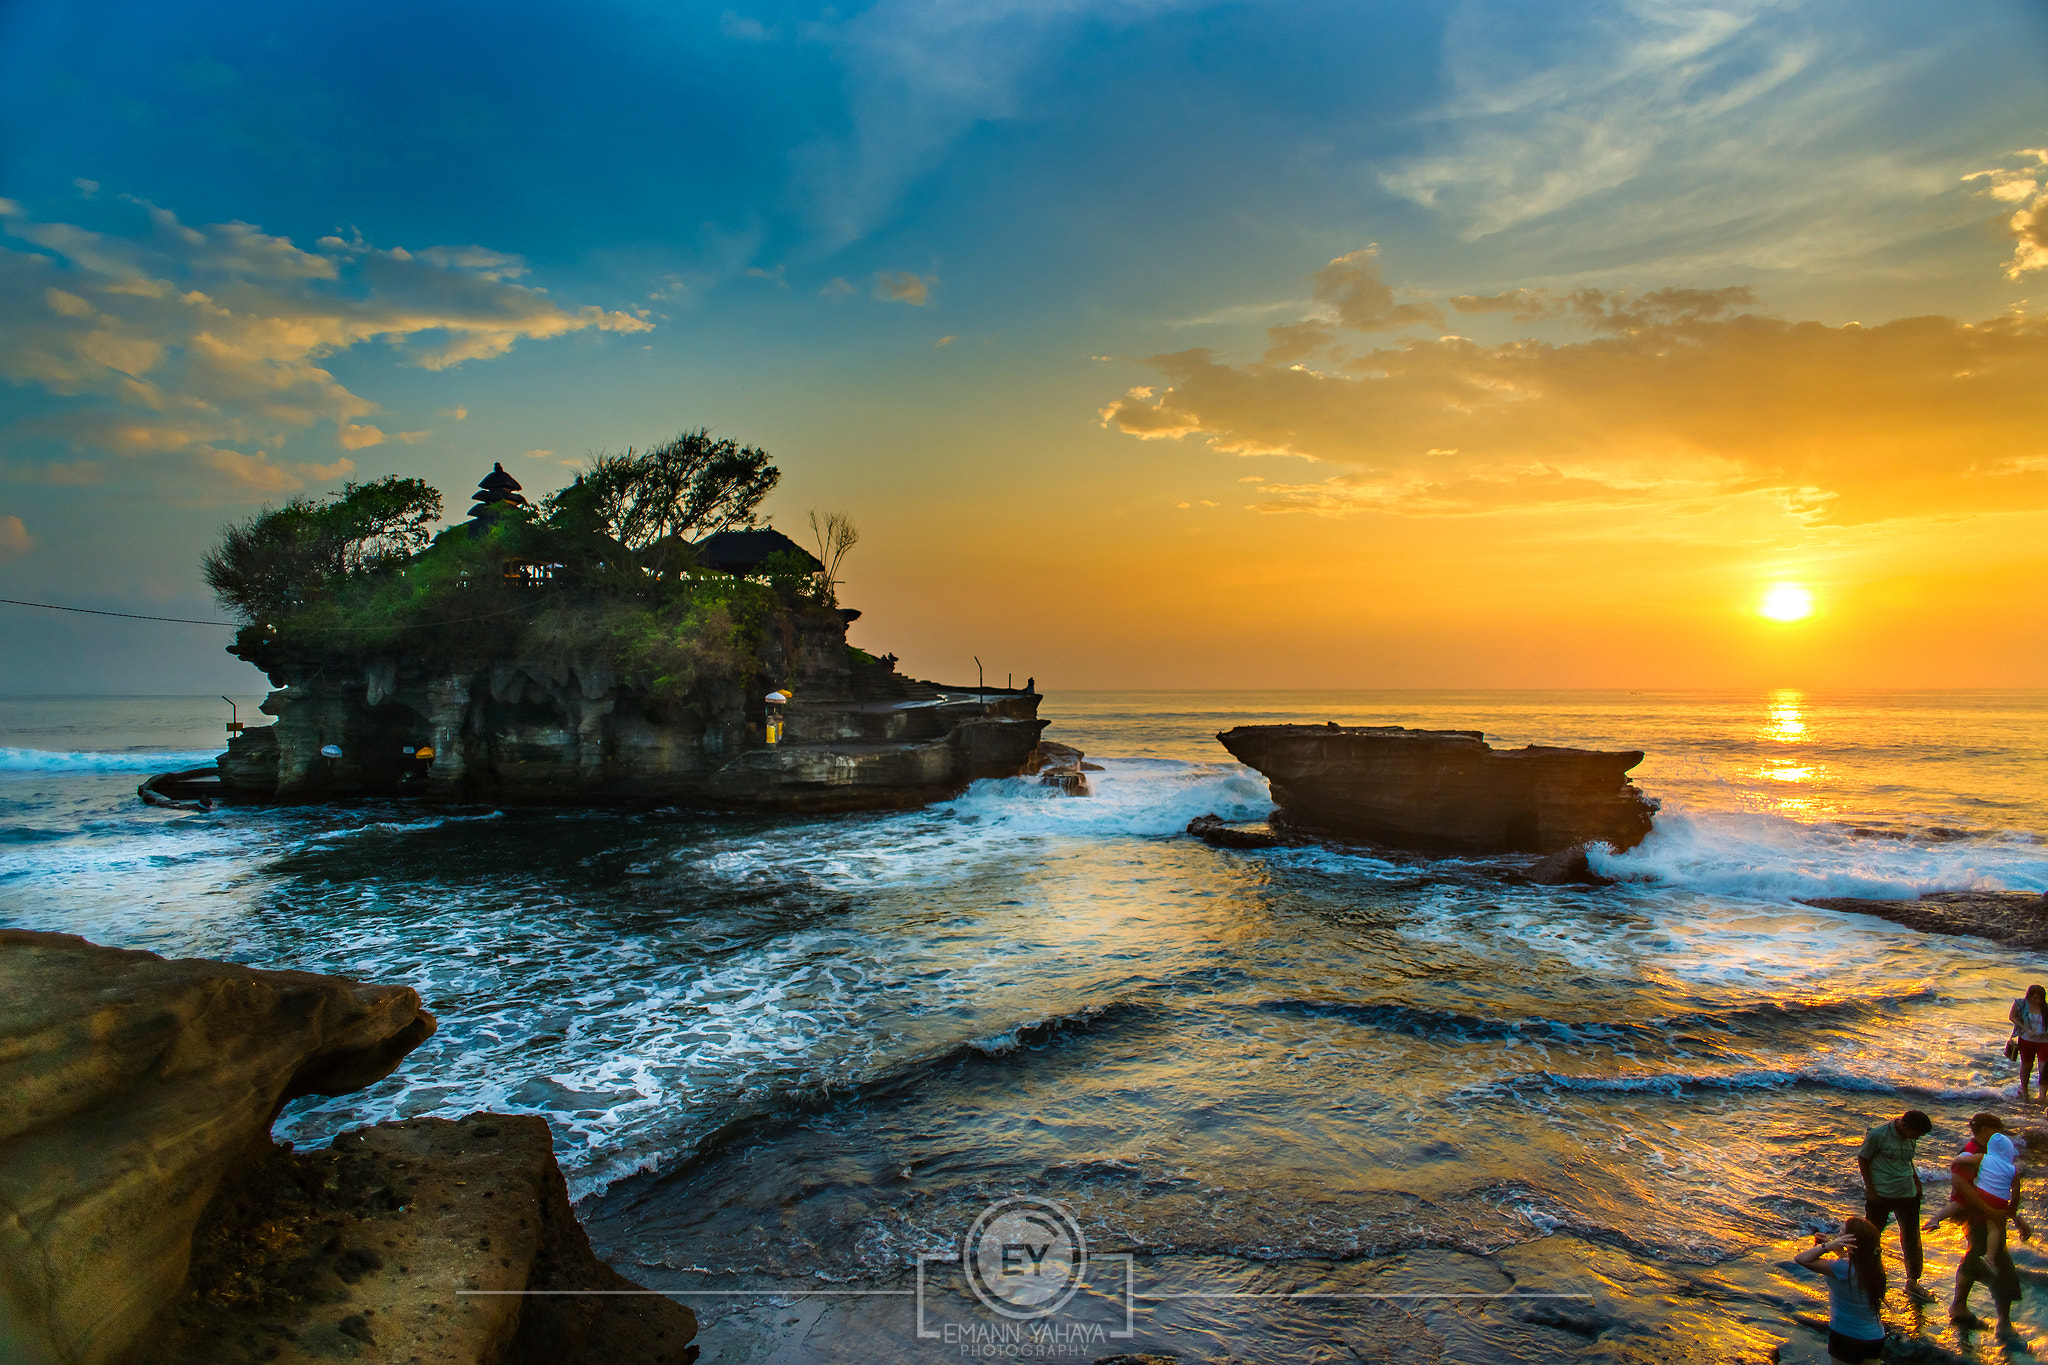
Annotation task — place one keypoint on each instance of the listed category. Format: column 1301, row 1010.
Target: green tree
column 285, row 557
column 678, row 491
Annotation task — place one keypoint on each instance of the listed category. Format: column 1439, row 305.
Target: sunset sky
column 1149, row 344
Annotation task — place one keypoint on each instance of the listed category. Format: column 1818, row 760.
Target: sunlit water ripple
column 811, row 1050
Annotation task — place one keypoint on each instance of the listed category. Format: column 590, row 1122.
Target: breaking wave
column 1773, row 857
column 123, row 761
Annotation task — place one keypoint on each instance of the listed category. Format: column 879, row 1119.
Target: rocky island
column 1444, row 789
column 635, row 637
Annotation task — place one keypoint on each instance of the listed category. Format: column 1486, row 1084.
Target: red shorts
column 2033, row 1052
column 2002, row 1207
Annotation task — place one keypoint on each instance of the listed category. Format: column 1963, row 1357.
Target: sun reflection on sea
column 1785, row 722
column 1788, row 716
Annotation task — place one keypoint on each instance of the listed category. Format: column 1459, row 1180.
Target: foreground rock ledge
column 1445, row 789
column 136, row 1098
column 130, row 1085
column 410, row 1242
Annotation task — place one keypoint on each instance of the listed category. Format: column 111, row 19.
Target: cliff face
column 1445, row 789
column 559, row 728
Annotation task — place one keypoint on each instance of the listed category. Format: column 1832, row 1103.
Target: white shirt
column 1995, row 1172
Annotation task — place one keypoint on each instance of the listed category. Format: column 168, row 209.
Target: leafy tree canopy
column 284, row 557
column 681, row 490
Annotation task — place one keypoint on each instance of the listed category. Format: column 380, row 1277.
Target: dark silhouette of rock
column 1211, row 829
column 1445, row 789
column 1567, row 867
column 134, row 1085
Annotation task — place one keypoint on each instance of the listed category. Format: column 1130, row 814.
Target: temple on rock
column 531, row 654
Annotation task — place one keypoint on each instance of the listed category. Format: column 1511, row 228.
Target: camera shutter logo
column 1025, row 1257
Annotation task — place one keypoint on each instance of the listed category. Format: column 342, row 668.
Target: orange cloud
column 15, row 540
column 904, row 287
column 1675, row 398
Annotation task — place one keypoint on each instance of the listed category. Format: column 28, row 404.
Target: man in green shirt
column 1891, row 1185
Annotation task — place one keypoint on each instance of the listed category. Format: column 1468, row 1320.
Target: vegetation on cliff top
column 602, row 570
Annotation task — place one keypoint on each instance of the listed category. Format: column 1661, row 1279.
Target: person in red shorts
column 2030, row 1028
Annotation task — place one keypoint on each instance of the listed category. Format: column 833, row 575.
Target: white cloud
column 741, row 28
column 1548, row 109
column 944, row 341
column 1688, row 138
column 920, row 73
column 836, row 289
column 200, row 341
column 2025, row 187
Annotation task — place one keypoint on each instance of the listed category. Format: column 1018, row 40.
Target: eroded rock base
column 399, row 1244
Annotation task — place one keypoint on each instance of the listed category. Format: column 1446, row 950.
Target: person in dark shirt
column 1891, row 1185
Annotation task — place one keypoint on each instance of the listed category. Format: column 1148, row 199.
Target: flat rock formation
column 408, row 1242
column 130, row 1086
column 1444, row 789
column 146, row 1217
column 569, row 730
column 2016, row 917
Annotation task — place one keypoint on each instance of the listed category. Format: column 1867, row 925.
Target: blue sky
column 917, row 249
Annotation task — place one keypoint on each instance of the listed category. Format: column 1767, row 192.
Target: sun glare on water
column 1786, row 602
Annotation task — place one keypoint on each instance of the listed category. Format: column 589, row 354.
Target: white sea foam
column 1131, row 796
column 122, row 761
column 1771, row 857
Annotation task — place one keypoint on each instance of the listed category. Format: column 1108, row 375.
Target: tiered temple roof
column 496, row 491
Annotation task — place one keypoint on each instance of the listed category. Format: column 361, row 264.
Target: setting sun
column 1786, row 602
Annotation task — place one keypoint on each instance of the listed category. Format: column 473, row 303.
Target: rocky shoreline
column 146, row 1216
column 2019, row 918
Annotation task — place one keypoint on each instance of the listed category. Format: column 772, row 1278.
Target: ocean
column 1298, row 1102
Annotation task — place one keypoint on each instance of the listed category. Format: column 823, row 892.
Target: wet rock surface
column 408, row 1242
column 1567, row 867
column 2016, row 917
column 132, row 1086
column 1444, row 789
column 1214, row 831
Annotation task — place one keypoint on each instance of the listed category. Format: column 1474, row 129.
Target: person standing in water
column 2030, row 1026
column 1987, row 1185
column 1855, row 1280
column 1891, row 1186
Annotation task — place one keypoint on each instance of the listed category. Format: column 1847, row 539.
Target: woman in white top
column 2030, row 1024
